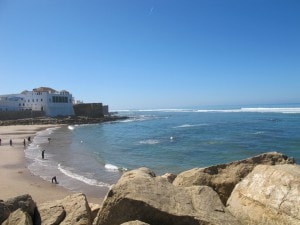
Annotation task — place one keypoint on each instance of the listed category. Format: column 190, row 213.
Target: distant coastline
column 70, row 120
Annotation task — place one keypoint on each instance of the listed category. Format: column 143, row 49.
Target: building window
column 41, row 99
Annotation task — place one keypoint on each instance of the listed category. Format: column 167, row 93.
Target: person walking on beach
column 0, row 141
column 10, row 142
column 24, row 142
column 43, row 154
column 54, row 180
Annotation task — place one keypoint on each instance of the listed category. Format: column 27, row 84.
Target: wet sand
column 16, row 178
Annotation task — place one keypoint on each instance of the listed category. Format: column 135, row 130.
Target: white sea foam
column 234, row 110
column 111, row 167
column 271, row 110
column 149, row 142
column 190, row 125
column 81, row 178
column 70, row 127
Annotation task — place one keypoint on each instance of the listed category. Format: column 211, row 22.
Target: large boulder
column 223, row 178
column 268, row 195
column 50, row 213
column 4, row 211
column 140, row 195
column 23, row 202
column 73, row 209
column 135, row 222
column 18, row 217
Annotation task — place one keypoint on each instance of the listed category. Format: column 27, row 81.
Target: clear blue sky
column 153, row 53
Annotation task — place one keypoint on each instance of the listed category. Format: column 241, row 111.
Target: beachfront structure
column 45, row 99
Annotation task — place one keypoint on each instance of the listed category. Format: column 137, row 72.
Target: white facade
column 52, row 102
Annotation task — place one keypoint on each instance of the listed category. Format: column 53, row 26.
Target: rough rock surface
column 50, row 213
column 140, row 195
column 23, row 202
column 223, row 178
column 73, row 209
column 18, row 217
column 94, row 210
column 268, row 195
column 135, row 222
column 169, row 176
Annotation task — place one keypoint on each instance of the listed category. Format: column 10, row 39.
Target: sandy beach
column 16, row 178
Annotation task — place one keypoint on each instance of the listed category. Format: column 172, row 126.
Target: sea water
column 90, row 158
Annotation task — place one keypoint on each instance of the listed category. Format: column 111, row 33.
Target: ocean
column 91, row 158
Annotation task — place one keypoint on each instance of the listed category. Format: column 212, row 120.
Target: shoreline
column 16, row 178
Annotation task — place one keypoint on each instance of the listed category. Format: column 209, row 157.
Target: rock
column 4, row 212
column 23, row 202
column 268, row 195
column 18, row 217
column 94, row 210
column 140, row 195
column 169, row 176
column 51, row 213
column 223, row 178
column 135, row 222
column 73, row 209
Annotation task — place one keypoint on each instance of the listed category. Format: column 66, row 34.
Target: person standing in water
column 43, row 154
column 54, row 180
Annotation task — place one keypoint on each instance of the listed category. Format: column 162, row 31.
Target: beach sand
column 16, row 179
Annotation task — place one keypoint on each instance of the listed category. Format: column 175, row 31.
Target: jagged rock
column 169, row 176
column 268, row 195
column 135, row 222
column 23, row 202
column 94, row 210
column 4, row 211
column 18, row 217
column 50, row 214
column 140, row 195
column 223, row 178
column 73, row 209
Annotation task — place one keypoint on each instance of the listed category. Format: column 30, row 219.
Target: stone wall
column 14, row 115
column 93, row 110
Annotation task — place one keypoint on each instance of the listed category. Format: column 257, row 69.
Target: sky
column 146, row 54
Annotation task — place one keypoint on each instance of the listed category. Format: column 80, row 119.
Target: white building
column 52, row 102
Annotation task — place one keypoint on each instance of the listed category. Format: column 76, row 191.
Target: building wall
column 13, row 102
column 51, row 102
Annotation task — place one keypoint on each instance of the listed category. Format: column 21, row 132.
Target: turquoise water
column 90, row 158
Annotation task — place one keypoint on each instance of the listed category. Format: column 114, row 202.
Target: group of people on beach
column 10, row 142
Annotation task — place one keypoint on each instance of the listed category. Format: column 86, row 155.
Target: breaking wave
column 81, row 178
column 237, row 110
column 149, row 142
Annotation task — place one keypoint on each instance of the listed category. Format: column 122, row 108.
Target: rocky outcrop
column 73, row 209
column 61, row 120
column 223, row 178
column 18, row 217
column 268, row 195
column 262, row 194
column 23, row 202
column 140, row 195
